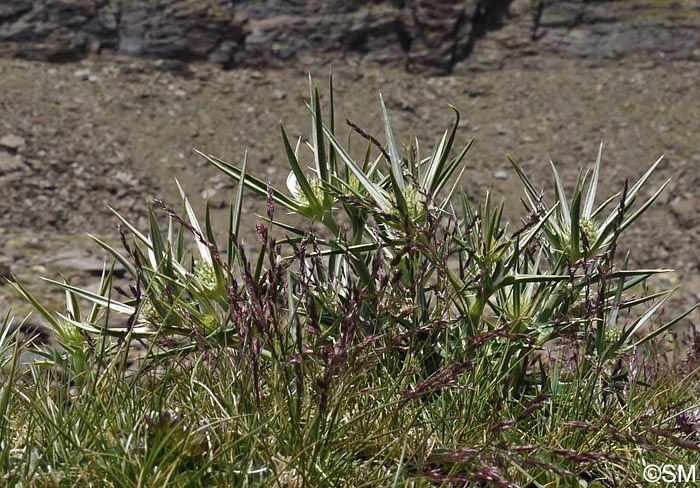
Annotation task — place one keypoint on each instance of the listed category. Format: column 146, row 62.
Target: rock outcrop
column 593, row 30
column 420, row 35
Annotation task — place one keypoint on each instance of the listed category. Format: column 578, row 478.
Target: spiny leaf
column 371, row 188
column 299, row 174
column 251, row 182
column 593, row 186
column 561, row 196
column 395, row 162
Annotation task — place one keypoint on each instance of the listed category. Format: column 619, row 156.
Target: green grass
column 417, row 340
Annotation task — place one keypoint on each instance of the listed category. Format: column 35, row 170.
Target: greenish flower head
column 589, row 229
column 70, row 334
column 415, row 203
column 356, row 185
column 613, row 335
column 148, row 311
column 298, row 194
column 208, row 324
column 205, row 275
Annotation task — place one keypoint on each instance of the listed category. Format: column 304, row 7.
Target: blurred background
column 103, row 101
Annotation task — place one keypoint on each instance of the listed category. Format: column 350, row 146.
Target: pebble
column 82, row 73
column 125, row 177
column 208, row 193
column 91, row 266
column 500, row 130
column 5, row 273
column 38, row 269
column 9, row 163
column 429, row 95
column 686, row 212
column 500, row 174
column 12, row 141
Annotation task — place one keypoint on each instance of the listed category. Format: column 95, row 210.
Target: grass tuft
column 415, row 341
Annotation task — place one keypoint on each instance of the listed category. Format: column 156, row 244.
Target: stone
column 82, row 73
column 87, row 266
column 125, row 177
column 12, row 141
column 35, row 333
column 561, row 14
column 9, row 163
column 686, row 212
column 5, row 273
column 209, row 193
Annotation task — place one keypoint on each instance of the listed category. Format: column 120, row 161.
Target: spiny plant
column 415, row 341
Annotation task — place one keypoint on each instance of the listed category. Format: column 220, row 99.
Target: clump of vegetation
column 417, row 340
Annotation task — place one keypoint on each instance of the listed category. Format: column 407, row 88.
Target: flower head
column 208, row 324
column 415, row 202
column 589, row 229
column 70, row 334
column 298, row 193
column 205, row 275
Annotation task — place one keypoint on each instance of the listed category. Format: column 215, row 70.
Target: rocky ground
column 76, row 139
